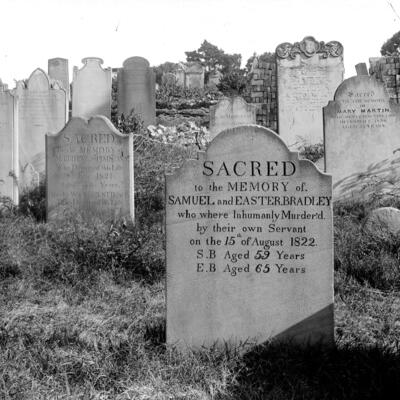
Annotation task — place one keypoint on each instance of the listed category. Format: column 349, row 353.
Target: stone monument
column 249, row 245
column 58, row 69
column 90, row 170
column 308, row 74
column 136, row 90
column 91, row 89
column 231, row 112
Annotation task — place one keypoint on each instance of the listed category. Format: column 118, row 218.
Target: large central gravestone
column 136, row 90
column 308, row 74
column 7, row 144
column 361, row 129
column 91, row 89
column 90, row 170
column 231, row 112
column 249, row 244
column 41, row 108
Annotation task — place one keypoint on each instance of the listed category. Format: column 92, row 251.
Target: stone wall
column 387, row 70
column 262, row 91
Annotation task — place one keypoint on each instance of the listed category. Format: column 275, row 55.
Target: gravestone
column 168, row 79
column 91, row 89
column 90, row 170
column 249, row 244
column 136, row 90
column 194, row 75
column 58, row 69
column 41, row 109
column 361, row 128
column 308, row 74
column 214, row 79
column 7, row 144
column 180, row 76
column 230, row 112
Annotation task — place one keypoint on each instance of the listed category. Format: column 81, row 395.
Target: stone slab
column 361, row 128
column 249, row 245
column 41, row 109
column 89, row 167
column 57, row 68
column 231, row 112
column 91, row 89
column 308, row 74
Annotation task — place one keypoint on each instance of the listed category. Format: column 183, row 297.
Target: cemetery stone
column 58, row 69
column 89, row 167
column 194, row 76
column 249, row 244
column 136, row 90
column 361, row 128
column 230, row 112
column 91, row 89
column 308, row 74
column 41, row 109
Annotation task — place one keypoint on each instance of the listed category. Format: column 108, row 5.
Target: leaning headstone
column 361, row 69
column 58, row 69
column 308, row 74
column 90, row 170
column 230, row 112
column 7, row 144
column 91, row 89
column 41, row 109
column 136, row 90
column 361, row 128
column 249, row 244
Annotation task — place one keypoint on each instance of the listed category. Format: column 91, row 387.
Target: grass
column 82, row 313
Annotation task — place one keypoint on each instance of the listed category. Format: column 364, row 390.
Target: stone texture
column 194, row 76
column 8, row 186
column 383, row 221
column 361, row 128
column 387, row 70
column 41, row 109
column 249, row 244
column 90, row 170
column 91, row 89
column 136, row 89
column 361, row 69
column 58, row 69
column 308, row 74
column 230, row 112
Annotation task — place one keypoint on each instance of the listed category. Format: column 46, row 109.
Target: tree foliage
column 391, row 46
column 163, row 69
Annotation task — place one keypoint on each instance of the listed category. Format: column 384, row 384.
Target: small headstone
column 383, row 221
column 90, row 170
column 136, row 90
column 361, row 127
column 7, row 144
column 180, row 76
column 229, row 113
column 168, row 79
column 214, row 79
column 308, row 74
column 40, row 109
column 249, row 244
column 58, row 69
column 361, row 69
column 91, row 89
column 194, row 76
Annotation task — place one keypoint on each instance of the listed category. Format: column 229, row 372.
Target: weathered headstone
column 214, row 79
column 41, row 109
column 308, row 74
column 249, row 244
column 58, row 69
column 91, row 89
column 361, row 69
column 136, row 90
column 180, row 76
column 194, row 75
column 230, row 112
column 89, row 167
column 7, row 144
column 168, row 79
column 361, row 127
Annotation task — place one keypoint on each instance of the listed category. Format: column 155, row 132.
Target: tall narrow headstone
column 91, row 89
column 361, row 127
column 58, row 69
column 89, row 168
column 7, row 144
column 231, row 112
column 41, row 109
column 136, row 90
column 249, row 244
column 308, row 74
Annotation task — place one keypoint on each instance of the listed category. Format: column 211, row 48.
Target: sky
column 32, row 31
